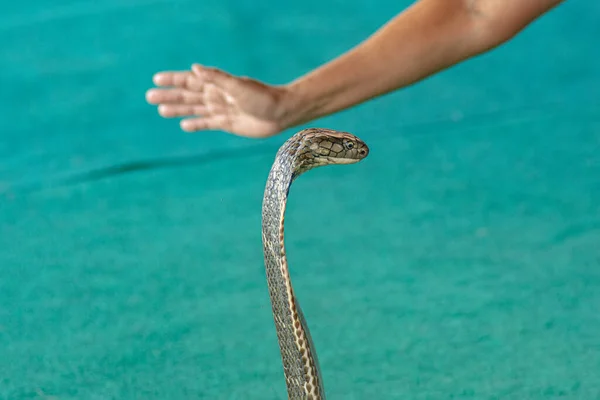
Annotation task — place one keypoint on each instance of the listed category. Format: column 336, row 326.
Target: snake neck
column 298, row 354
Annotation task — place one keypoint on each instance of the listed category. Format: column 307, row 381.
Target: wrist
column 306, row 99
column 299, row 105
column 333, row 87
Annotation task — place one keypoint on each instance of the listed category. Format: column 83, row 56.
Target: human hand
column 209, row 98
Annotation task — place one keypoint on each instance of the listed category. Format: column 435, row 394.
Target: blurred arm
column 428, row 37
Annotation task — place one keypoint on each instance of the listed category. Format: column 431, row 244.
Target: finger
column 199, row 124
column 220, row 78
column 181, row 79
column 171, row 78
column 179, row 110
column 173, row 96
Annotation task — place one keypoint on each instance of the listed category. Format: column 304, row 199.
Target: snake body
column 307, row 149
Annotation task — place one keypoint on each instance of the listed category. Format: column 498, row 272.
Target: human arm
column 427, row 37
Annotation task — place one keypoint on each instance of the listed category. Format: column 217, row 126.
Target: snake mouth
column 342, row 161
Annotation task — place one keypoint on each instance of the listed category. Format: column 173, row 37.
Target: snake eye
column 349, row 145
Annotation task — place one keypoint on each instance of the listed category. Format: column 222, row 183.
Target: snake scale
column 305, row 150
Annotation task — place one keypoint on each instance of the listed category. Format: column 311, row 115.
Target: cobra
column 307, row 149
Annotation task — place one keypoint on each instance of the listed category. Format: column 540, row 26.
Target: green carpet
column 461, row 260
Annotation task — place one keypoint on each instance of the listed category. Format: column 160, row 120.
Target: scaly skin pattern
column 307, row 149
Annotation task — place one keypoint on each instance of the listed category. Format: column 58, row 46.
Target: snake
column 307, row 149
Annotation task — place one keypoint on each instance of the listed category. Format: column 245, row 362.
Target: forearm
column 426, row 38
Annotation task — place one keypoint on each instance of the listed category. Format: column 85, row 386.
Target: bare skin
column 427, row 37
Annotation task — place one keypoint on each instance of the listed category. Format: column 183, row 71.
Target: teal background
column 459, row 261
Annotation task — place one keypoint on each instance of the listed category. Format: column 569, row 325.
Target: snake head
column 326, row 147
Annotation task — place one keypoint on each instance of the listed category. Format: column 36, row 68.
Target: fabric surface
column 460, row 260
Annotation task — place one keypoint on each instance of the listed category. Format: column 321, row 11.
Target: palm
column 212, row 99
